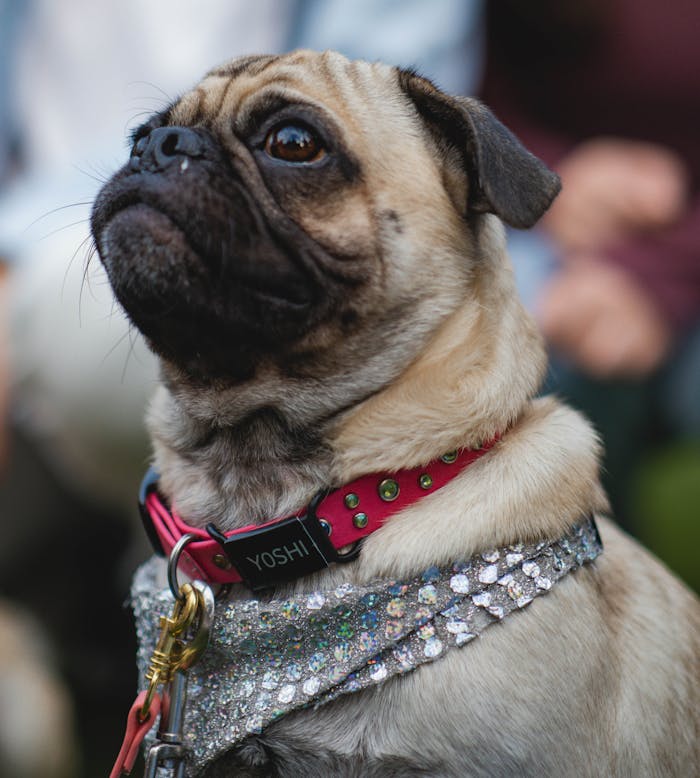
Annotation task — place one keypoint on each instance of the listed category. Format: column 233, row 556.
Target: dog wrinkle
column 489, row 360
column 195, row 106
column 190, row 109
column 273, row 440
column 307, row 401
column 252, row 64
column 254, row 467
column 391, row 217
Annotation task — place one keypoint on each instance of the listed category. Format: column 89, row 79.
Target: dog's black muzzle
column 207, row 274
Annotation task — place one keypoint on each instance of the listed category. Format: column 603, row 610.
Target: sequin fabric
column 267, row 658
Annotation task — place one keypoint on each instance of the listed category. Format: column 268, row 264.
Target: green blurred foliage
column 665, row 503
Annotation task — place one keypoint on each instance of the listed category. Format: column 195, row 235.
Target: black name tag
column 281, row 552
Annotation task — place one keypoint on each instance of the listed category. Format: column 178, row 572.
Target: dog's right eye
column 294, row 143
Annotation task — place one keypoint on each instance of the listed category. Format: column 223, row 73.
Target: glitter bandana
column 267, row 658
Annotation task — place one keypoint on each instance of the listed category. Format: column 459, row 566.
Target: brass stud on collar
column 351, row 500
column 360, row 520
column 388, row 490
column 425, row 481
column 222, row 562
column 449, row 458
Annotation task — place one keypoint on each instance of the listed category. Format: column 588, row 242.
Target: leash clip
column 186, row 635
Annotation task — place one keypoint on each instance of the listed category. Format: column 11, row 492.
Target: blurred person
column 37, row 737
column 77, row 75
column 608, row 94
column 80, row 73
column 4, row 378
column 37, row 727
column 10, row 12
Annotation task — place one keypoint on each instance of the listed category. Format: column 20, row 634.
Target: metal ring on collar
column 174, row 560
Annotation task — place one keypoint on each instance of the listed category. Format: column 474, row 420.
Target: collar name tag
column 280, row 552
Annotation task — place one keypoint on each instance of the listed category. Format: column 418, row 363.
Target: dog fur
column 425, row 348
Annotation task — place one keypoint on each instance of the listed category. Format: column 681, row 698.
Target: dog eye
column 294, row 143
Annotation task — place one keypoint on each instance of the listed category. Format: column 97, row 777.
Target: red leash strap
column 136, row 730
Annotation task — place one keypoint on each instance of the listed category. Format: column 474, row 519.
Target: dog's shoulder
column 536, row 482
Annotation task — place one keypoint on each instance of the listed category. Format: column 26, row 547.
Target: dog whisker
column 166, row 99
column 63, row 227
column 59, row 208
column 132, row 335
column 89, row 253
column 96, row 175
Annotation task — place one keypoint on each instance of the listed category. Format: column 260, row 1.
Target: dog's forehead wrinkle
column 245, row 63
column 325, row 84
column 201, row 103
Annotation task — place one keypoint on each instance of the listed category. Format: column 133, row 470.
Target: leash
column 184, row 636
column 329, row 530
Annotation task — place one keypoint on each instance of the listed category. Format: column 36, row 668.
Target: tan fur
column 471, row 381
column 477, row 511
column 598, row 678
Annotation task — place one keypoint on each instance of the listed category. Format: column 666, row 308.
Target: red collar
column 329, row 530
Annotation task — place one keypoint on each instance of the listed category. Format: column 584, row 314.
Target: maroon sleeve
column 667, row 265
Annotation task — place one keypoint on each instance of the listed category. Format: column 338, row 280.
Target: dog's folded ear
column 503, row 176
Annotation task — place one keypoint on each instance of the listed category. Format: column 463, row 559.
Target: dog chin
column 140, row 242
column 208, row 320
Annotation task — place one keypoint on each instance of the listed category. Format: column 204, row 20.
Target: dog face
column 304, row 212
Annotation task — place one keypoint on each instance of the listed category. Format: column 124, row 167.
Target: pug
column 314, row 248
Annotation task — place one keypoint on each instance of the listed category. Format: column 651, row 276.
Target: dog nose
column 164, row 146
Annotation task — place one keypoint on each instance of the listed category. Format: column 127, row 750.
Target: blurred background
column 606, row 92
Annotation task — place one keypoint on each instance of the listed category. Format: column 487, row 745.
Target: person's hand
column 612, row 188
column 596, row 314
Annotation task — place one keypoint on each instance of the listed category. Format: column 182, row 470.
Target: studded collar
column 329, row 530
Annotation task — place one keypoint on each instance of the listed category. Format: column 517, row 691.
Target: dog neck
column 471, row 383
column 263, row 457
column 261, row 466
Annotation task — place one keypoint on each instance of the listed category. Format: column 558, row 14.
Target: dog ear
column 504, row 177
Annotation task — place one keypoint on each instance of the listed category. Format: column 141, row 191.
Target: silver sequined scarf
column 267, row 658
